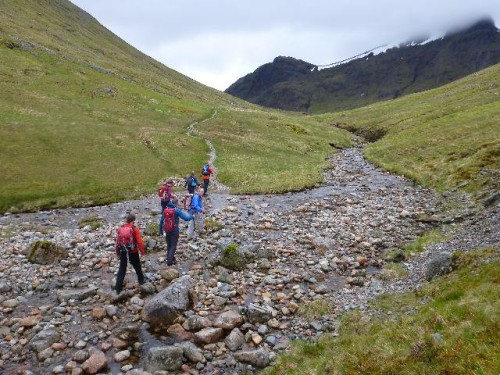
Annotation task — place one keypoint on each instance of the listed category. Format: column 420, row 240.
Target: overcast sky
column 218, row 41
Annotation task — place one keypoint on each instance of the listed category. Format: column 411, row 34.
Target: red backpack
column 165, row 192
column 169, row 223
column 125, row 239
column 186, row 202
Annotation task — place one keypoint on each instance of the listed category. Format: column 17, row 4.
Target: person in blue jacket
column 169, row 223
column 196, row 210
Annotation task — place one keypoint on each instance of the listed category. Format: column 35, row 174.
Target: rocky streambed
column 327, row 245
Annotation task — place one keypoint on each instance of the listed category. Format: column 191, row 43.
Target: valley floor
column 326, row 244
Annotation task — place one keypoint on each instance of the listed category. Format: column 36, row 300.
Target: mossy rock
column 95, row 222
column 232, row 258
column 394, row 255
column 46, row 252
column 152, row 229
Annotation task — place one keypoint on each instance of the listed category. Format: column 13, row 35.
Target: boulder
column 196, row 322
column 166, row 358
column 258, row 358
column 192, row 352
column 44, row 339
column 232, row 257
column 258, row 314
column 228, row 320
column 208, row 335
column 46, row 252
column 235, row 340
column 441, row 264
column 163, row 308
column 169, row 274
column 96, row 362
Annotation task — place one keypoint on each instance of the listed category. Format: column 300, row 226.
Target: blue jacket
column 178, row 214
column 196, row 204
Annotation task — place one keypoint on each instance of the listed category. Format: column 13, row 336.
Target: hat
column 130, row 218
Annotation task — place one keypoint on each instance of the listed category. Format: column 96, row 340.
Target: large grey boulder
column 166, row 358
column 439, row 265
column 163, row 308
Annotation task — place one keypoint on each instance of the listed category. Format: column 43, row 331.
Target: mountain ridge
column 398, row 71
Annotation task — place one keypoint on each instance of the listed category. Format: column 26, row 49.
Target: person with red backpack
column 128, row 243
column 170, row 226
column 206, row 172
column 165, row 193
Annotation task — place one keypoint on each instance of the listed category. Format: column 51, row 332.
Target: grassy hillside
column 270, row 152
column 87, row 119
column 445, row 138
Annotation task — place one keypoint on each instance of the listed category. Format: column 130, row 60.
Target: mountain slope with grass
column 87, row 119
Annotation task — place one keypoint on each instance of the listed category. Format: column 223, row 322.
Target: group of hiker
column 128, row 241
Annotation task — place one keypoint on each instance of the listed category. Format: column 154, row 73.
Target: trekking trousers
column 172, row 237
column 205, row 185
column 135, row 261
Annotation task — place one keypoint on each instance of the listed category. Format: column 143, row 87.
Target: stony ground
column 326, row 244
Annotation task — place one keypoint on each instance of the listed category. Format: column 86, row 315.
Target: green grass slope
column 449, row 326
column 446, row 138
column 87, row 119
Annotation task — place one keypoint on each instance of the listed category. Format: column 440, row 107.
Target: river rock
column 228, row 320
column 208, row 335
column 235, row 340
column 96, row 362
column 439, row 265
column 258, row 314
column 258, row 358
column 165, row 358
column 163, row 308
column 192, row 352
column 77, row 294
column 196, row 322
column 170, row 274
column 44, row 339
column 46, row 252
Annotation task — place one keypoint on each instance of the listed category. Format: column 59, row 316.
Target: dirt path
column 192, row 132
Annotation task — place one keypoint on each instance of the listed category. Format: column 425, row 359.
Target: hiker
column 197, row 211
column 206, row 172
column 128, row 242
column 170, row 226
column 191, row 183
column 165, row 192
